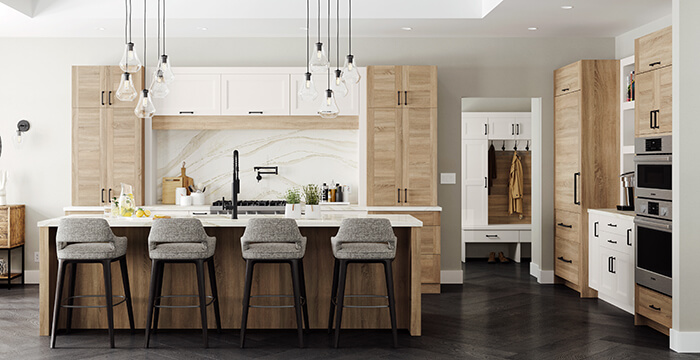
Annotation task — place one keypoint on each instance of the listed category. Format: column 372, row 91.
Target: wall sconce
column 22, row 127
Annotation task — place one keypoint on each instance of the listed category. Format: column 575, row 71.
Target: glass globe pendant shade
column 144, row 108
column 165, row 67
column 350, row 73
column 319, row 61
column 126, row 91
column 307, row 89
column 130, row 60
column 329, row 109
column 159, row 87
column 338, row 85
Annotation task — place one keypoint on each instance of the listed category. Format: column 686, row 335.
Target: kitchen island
column 270, row 279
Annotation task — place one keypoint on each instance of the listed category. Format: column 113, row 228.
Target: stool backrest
column 366, row 230
column 182, row 230
column 83, row 230
column 271, row 230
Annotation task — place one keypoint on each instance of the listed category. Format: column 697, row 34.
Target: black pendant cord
column 349, row 27
column 337, row 34
column 329, row 43
column 130, row 26
column 145, row 58
column 307, row 37
column 126, row 22
column 164, row 28
column 319, row 21
column 159, row 25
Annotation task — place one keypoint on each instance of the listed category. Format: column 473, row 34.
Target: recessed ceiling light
column 407, row 28
column 101, row 28
column 567, row 7
column 202, row 28
column 532, row 28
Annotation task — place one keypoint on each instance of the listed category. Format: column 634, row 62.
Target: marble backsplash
column 303, row 157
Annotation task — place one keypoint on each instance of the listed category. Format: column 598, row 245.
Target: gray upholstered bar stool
column 275, row 240
column 89, row 240
column 369, row 240
column 181, row 240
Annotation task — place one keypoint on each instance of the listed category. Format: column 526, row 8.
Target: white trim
column 684, row 341
column 451, row 277
column 31, row 276
column 542, row 276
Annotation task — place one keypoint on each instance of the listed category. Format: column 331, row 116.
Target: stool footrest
column 211, row 298
column 122, row 297
column 303, row 301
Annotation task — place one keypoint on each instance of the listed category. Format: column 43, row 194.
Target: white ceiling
column 371, row 18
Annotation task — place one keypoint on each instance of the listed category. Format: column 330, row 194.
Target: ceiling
column 371, row 18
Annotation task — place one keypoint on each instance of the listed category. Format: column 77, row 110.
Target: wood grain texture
column 664, row 91
column 230, row 268
column 653, row 51
column 114, row 74
column 430, row 269
column 646, row 92
column 254, row 123
column 562, row 221
column 125, row 151
column 11, row 226
column 383, row 86
column 384, row 156
column 566, row 260
column 662, row 313
column 567, row 79
column 89, row 86
column 88, row 174
column 567, row 150
column 419, row 86
column 47, row 278
column 170, row 184
column 498, row 199
column 419, row 156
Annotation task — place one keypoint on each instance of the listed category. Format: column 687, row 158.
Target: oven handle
column 653, row 158
column 656, row 225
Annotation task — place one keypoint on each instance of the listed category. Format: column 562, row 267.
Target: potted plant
column 312, row 197
column 293, row 208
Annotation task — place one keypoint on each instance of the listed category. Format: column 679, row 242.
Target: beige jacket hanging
column 515, row 186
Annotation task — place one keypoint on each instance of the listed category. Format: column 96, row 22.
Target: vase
column 292, row 211
column 312, row 211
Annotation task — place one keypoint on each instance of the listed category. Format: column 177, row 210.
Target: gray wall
column 37, row 87
column 624, row 43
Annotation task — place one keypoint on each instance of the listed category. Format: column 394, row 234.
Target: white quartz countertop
column 328, row 220
column 324, row 207
column 614, row 212
column 523, row 227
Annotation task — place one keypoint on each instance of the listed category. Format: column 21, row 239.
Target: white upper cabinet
column 348, row 104
column 475, row 128
column 523, row 127
column 501, row 128
column 497, row 126
column 255, row 94
column 191, row 94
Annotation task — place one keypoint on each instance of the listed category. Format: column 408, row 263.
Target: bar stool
column 178, row 241
column 275, row 240
column 89, row 241
column 368, row 240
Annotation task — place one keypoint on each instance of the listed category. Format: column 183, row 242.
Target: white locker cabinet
column 523, row 128
column 501, row 128
column 474, row 182
column 255, row 94
column 191, row 94
column 348, row 104
column 475, row 128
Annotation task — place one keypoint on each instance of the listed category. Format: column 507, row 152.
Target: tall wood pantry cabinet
column 586, row 160
column 107, row 138
column 402, row 152
column 653, row 84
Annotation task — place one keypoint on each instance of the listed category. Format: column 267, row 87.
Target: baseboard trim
column 451, row 277
column 31, row 276
column 542, row 276
column 684, row 341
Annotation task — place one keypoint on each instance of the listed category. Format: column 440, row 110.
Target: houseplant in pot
column 312, row 196
column 293, row 208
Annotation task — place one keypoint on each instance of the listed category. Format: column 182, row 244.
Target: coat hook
column 516, row 145
column 503, row 148
column 527, row 146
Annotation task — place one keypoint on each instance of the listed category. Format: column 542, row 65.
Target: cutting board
column 186, row 180
column 169, row 186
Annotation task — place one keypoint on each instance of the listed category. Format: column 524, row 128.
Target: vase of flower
column 312, row 197
column 292, row 209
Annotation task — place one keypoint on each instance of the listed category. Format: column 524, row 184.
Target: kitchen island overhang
column 269, row 279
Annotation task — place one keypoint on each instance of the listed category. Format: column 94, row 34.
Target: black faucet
column 236, row 186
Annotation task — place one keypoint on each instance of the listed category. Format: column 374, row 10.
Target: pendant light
column 144, row 107
column 339, row 88
column 159, row 85
column 164, row 63
column 350, row 73
column 307, row 90
column 130, row 60
column 329, row 108
column 319, row 61
column 126, row 90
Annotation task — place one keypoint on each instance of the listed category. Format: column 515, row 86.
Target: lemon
column 139, row 213
column 147, row 212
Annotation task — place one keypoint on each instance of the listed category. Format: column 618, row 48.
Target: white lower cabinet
column 515, row 235
column 611, row 257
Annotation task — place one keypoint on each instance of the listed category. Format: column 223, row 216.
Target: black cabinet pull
column 103, row 196
column 629, row 240
column 200, row 213
column 109, row 197
column 655, row 308
column 109, row 97
column 609, row 264
column 576, row 176
column 561, row 258
column 255, row 112
column 566, row 226
column 405, row 98
column 612, row 265
column 512, row 129
column 486, row 129
column 486, row 182
column 566, row 89
column 517, row 129
column 102, row 98
column 491, row 236
column 651, row 119
column 655, row 63
column 612, row 225
column 612, row 241
column 656, row 119
column 399, row 196
column 595, row 229
column 405, row 195
column 399, row 92
column 187, row 112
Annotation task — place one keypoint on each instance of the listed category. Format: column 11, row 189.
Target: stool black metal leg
column 296, row 285
column 151, row 300
column 107, row 269
column 249, row 266
column 214, row 292
column 160, row 269
column 388, row 272
column 22, row 249
column 57, row 301
column 202, row 300
column 9, row 269
column 127, row 291
column 334, row 292
column 71, row 293
column 305, row 300
column 342, row 274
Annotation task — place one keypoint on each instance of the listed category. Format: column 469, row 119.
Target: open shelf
column 11, row 276
column 627, row 105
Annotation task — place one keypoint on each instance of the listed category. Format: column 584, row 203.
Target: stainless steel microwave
column 653, row 162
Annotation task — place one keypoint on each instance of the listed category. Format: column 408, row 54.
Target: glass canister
column 126, row 201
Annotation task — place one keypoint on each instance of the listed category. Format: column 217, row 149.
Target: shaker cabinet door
column 87, row 168
column 384, row 157
column 347, row 105
column 419, row 151
column 384, row 87
column 567, row 152
column 255, row 94
column 475, row 201
column 191, row 94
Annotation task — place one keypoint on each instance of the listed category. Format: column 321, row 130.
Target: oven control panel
column 654, row 208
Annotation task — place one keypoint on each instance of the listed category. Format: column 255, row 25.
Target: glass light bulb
column 144, row 108
column 130, row 60
column 18, row 137
column 338, row 86
column 165, row 66
column 350, row 73
column 307, row 90
column 329, row 109
column 319, row 61
column 159, row 87
column 126, row 91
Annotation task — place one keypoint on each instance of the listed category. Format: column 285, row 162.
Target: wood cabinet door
column 567, row 152
column 567, row 79
column 255, row 94
column 114, row 74
column 653, row 51
column 89, row 86
column 124, row 133
column 664, row 97
column 419, row 86
column 419, row 156
column 384, row 86
column 88, row 172
column 645, row 103
column 384, row 162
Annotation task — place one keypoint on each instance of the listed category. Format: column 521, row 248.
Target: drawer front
column 430, row 240
column 566, row 79
column 615, row 225
column 614, row 242
column 566, row 260
column 495, row 236
column 654, row 306
column 430, row 269
column 567, row 225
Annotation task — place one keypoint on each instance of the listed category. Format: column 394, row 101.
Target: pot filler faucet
column 236, row 186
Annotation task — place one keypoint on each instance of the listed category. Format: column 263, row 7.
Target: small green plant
column 312, row 194
column 293, row 196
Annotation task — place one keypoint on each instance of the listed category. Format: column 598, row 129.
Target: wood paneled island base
column 269, row 279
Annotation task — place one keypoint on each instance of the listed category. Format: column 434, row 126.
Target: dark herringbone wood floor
column 500, row 312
